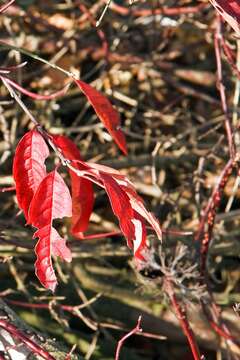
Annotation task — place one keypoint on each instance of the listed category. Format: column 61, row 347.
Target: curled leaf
column 126, row 205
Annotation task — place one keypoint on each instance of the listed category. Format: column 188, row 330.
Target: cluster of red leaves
column 44, row 196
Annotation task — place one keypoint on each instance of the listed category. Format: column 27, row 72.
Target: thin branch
column 16, row 333
column 100, row 32
column 136, row 330
column 171, row 11
column 6, row 6
column 6, row 189
column 182, row 317
column 228, row 127
column 36, row 57
column 205, row 228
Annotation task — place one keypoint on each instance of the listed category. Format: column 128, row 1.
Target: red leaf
column 135, row 200
column 82, row 189
column 126, row 205
column 131, row 223
column 131, row 212
column 106, row 113
column 29, row 168
column 139, row 244
column 52, row 200
column 230, row 11
column 121, row 206
column 138, row 205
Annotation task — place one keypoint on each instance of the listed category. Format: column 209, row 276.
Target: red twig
column 34, row 95
column 6, row 6
column 125, row 337
column 68, row 308
column 230, row 56
column 159, row 11
column 228, row 128
column 97, row 236
column 217, row 328
column 5, row 189
column 72, row 309
column 16, row 333
column 182, row 317
column 204, row 235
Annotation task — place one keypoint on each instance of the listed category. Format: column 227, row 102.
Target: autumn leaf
column 126, row 185
column 82, row 189
column 29, row 168
column 131, row 224
column 52, row 200
column 126, row 205
column 120, row 205
column 106, row 113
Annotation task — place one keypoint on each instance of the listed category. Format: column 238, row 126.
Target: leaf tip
column 52, row 286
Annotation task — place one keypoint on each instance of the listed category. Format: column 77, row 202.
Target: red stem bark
column 182, row 317
column 16, row 333
column 124, row 338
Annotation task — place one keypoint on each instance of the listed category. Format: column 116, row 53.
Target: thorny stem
column 182, row 317
column 16, row 333
column 228, row 128
column 205, row 228
column 136, row 330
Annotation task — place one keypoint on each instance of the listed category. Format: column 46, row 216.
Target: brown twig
column 100, row 32
column 228, row 127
